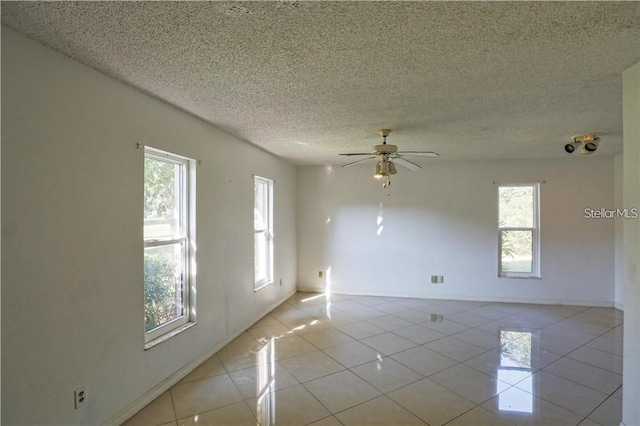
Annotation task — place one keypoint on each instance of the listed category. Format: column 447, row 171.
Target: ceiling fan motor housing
column 385, row 149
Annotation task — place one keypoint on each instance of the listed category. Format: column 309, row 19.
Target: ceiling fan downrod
column 384, row 133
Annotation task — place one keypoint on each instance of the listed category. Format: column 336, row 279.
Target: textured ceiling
column 307, row 80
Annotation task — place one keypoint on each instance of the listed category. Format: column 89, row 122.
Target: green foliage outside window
column 159, row 290
column 158, row 187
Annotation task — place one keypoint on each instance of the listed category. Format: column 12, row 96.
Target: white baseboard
column 137, row 405
column 465, row 298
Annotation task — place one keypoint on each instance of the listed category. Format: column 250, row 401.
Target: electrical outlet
column 440, row 279
column 80, row 396
column 320, row 274
column 434, row 279
column 437, row 317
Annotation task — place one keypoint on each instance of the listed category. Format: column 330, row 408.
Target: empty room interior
column 327, row 213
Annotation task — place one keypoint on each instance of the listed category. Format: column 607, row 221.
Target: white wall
column 618, row 230
column 442, row 220
column 72, row 307
column 631, row 251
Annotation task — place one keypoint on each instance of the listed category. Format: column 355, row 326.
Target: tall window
column 263, row 232
column 168, row 240
column 518, row 231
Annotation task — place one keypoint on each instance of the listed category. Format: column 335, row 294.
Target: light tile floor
column 363, row 360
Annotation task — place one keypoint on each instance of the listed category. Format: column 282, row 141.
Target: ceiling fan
column 388, row 156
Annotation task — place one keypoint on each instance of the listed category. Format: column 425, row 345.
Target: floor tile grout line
column 242, row 399
column 426, row 377
column 327, row 408
column 173, row 406
column 565, row 356
column 331, row 415
column 461, row 362
column 599, row 405
column 531, row 393
column 217, row 408
column 585, row 345
column 514, row 385
column 470, row 409
column 468, row 327
column 249, row 408
column 387, row 396
column 384, row 356
column 558, row 405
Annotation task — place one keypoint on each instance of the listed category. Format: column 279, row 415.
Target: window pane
column 259, row 220
column 260, row 203
column 516, row 206
column 260, row 257
column 517, row 251
column 161, row 199
column 164, row 269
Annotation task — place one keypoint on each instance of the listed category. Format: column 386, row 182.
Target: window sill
column 150, row 344
column 261, row 286
column 521, row 277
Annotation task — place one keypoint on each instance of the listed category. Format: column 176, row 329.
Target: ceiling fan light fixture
column 377, row 174
column 384, row 167
column 392, row 168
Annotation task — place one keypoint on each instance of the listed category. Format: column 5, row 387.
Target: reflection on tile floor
column 363, row 360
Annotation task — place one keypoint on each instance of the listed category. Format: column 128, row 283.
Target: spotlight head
column 591, row 146
column 570, row 147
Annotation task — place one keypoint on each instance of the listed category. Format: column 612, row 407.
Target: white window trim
column 259, row 285
column 187, row 193
column 535, row 235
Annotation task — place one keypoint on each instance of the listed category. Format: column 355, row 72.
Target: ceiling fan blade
column 406, row 163
column 419, row 154
column 357, row 153
column 358, row 161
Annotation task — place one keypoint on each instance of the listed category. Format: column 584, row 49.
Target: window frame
column 535, row 234
column 186, row 193
column 268, row 201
